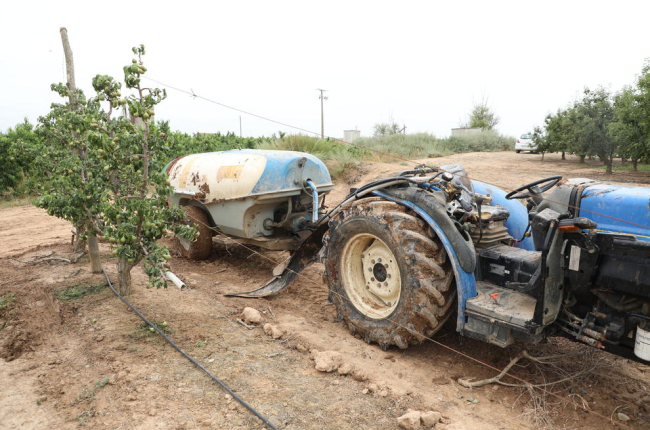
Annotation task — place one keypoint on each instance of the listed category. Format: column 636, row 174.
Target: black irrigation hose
column 186, row 355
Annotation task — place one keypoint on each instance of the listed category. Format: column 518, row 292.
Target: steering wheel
column 534, row 189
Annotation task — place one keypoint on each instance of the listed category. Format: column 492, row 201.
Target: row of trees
column 25, row 164
column 602, row 124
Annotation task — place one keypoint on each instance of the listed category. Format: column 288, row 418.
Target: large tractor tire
column 201, row 247
column 388, row 274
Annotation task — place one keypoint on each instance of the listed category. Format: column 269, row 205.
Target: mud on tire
column 199, row 249
column 375, row 248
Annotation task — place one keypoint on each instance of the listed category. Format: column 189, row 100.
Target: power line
column 192, row 94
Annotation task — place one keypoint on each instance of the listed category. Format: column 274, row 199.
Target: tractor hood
column 617, row 209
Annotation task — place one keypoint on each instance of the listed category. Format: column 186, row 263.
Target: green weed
column 629, row 168
column 75, row 292
column 12, row 202
column 6, row 300
column 144, row 330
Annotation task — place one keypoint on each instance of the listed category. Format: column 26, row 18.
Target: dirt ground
column 88, row 362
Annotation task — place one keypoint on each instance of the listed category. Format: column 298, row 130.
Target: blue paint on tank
column 518, row 219
column 283, row 170
column 618, row 209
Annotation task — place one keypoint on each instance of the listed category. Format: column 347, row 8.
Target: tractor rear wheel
column 201, row 247
column 388, row 274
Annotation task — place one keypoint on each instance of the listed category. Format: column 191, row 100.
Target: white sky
column 422, row 62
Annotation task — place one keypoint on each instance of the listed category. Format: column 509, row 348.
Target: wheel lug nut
column 379, row 284
column 372, row 279
column 385, row 284
column 369, row 269
column 379, row 259
column 372, row 261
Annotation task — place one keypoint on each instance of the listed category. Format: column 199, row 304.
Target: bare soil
column 89, row 362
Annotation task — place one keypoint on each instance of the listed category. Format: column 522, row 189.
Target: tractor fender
column 465, row 281
column 463, row 246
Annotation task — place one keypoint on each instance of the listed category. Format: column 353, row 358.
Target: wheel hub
column 371, row 276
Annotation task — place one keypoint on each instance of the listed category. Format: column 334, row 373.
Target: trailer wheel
column 388, row 274
column 200, row 248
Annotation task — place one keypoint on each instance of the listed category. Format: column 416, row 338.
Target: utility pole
column 322, row 117
column 239, row 125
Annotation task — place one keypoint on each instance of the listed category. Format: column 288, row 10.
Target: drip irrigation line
column 449, row 348
column 396, row 157
column 189, row 357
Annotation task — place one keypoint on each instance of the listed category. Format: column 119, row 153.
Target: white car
column 525, row 143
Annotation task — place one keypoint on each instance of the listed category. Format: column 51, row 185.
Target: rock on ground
column 410, row 420
column 250, row 315
column 430, row 418
column 327, row 361
column 273, row 331
column 345, row 369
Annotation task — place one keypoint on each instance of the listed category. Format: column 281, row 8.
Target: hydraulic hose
column 186, row 355
column 314, row 192
column 369, row 188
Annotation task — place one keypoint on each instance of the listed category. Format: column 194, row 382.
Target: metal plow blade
column 303, row 257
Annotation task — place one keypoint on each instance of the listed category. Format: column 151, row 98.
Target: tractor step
column 498, row 314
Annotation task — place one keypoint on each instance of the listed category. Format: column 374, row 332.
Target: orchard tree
column 595, row 113
column 135, row 211
column 75, row 190
column 642, row 98
column 627, row 127
column 10, row 172
column 20, row 153
column 482, row 116
column 107, row 172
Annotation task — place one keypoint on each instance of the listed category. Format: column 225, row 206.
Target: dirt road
column 89, row 363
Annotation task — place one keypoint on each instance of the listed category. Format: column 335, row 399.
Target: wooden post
column 93, row 244
column 69, row 68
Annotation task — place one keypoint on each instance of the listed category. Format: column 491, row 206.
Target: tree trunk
column 124, row 277
column 563, row 155
column 635, row 162
column 93, row 250
column 80, row 244
column 543, row 155
column 609, row 163
column 582, row 158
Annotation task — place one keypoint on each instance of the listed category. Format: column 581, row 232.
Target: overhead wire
column 419, row 335
column 415, row 163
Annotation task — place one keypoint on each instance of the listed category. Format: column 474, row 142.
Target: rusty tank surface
column 264, row 197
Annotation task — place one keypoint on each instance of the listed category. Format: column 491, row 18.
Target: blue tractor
column 404, row 254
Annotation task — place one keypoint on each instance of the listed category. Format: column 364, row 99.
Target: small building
column 351, row 135
column 465, row 131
